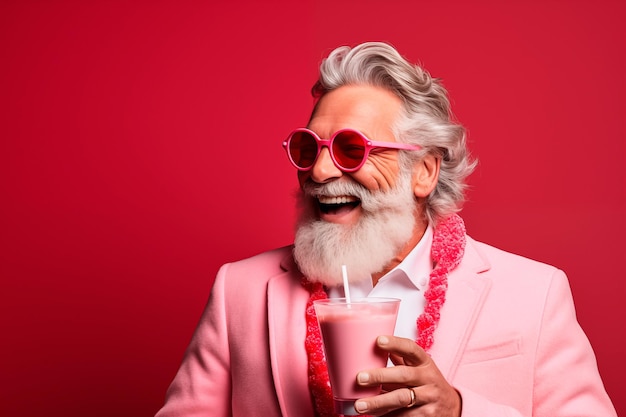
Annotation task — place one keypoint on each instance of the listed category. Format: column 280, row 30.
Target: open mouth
column 337, row 205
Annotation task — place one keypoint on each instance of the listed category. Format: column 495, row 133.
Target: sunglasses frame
column 368, row 144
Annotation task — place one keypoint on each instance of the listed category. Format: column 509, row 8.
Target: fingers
column 418, row 367
column 417, row 401
column 394, row 400
column 404, row 351
column 398, row 377
column 415, row 381
column 401, row 375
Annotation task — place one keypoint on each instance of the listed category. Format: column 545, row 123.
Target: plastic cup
column 349, row 332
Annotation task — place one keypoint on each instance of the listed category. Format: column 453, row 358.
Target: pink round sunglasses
column 348, row 148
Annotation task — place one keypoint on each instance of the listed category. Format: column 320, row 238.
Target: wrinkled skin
column 416, row 370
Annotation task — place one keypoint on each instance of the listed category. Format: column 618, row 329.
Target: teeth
column 337, row 200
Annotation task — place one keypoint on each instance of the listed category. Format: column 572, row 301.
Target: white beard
column 386, row 224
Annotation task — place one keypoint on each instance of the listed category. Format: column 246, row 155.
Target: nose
column 324, row 170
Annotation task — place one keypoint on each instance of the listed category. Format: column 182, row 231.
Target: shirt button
column 423, row 282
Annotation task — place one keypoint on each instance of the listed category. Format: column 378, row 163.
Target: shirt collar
column 417, row 265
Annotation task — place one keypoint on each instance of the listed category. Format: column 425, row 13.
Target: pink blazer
column 508, row 340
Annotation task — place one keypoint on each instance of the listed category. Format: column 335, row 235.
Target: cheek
column 368, row 180
column 378, row 175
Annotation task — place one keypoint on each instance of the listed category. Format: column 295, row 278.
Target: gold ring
column 413, row 398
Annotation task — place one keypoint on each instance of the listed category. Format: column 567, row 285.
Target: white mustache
column 335, row 189
column 371, row 201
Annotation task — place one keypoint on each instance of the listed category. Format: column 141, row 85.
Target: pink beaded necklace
column 446, row 252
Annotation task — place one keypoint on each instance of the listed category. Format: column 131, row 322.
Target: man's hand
column 414, row 371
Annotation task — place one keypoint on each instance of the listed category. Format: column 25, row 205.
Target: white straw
column 346, row 287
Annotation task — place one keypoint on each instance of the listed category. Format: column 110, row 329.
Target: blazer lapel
column 286, row 301
column 466, row 294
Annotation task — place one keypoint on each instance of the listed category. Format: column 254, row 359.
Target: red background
column 140, row 149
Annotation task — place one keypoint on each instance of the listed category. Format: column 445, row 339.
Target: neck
column 418, row 233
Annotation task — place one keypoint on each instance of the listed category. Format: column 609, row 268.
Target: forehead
column 371, row 110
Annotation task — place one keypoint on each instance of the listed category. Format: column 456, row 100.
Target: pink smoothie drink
column 349, row 332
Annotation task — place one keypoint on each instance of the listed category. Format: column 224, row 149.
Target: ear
column 425, row 175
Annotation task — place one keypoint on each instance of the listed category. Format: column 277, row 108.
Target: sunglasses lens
column 303, row 149
column 349, row 149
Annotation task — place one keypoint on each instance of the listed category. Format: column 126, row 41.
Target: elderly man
column 480, row 332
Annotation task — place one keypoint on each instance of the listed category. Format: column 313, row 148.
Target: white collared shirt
column 408, row 281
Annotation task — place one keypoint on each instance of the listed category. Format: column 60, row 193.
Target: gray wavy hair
column 426, row 119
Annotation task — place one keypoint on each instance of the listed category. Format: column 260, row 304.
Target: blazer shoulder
column 259, row 269
column 499, row 256
column 277, row 256
column 502, row 263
